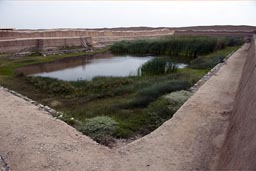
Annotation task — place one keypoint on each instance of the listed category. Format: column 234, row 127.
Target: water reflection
column 86, row 68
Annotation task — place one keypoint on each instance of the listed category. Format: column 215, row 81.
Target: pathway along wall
column 239, row 150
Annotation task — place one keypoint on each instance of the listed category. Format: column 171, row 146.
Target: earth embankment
column 30, row 139
column 239, row 150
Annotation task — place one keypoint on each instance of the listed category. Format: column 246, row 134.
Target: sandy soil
column 32, row 140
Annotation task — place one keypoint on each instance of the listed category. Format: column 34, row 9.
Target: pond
column 88, row 67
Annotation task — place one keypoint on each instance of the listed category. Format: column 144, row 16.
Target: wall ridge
column 239, row 149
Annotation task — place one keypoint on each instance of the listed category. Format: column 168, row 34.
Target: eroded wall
column 239, row 150
column 27, row 45
column 78, row 33
column 214, row 32
column 36, row 40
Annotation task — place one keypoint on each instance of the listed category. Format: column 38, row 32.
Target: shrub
column 156, row 66
column 177, row 98
column 161, row 88
column 158, row 112
column 190, row 46
column 149, row 94
column 123, row 132
column 137, row 102
column 50, row 85
column 206, row 62
column 100, row 128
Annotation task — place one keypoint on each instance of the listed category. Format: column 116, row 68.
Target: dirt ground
column 32, row 140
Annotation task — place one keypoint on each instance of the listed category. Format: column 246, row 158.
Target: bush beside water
column 53, row 86
column 121, row 107
column 156, row 66
column 190, row 46
column 206, row 62
column 149, row 94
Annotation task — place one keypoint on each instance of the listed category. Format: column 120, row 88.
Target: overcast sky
column 94, row 14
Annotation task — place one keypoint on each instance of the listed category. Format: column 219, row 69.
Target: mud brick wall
column 213, row 33
column 13, row 41
column 239, row 150
column 77, row 33
column 27, row 45
column 18, row 45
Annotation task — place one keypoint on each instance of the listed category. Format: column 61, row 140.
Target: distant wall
column 13, row 41
column 213, row 33
column 18, row 45
column 239, row 150
column 46, row 43
column 26, row 45
column 77, row 33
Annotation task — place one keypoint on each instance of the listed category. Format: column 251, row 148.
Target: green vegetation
column 49, row 86
column 150, row 93
column 209, row 61
column 191, row 46
column 157, row 66
column 177, row 98
column 122, row 107
column 158, row 112
column 100, row 128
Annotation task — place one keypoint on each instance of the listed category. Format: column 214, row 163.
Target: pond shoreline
column 115, row 66
column 129, row 106
column 117, row 142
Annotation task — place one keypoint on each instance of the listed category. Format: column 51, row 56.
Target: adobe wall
column 61, row 42
column 239, row 150
column 18, row 45
column 13, row 41
column 214, row 32
column 77, row 33
column 185, row 142
column 28, row 45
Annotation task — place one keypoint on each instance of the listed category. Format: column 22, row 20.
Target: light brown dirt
column 239, row 149
column 32, row 140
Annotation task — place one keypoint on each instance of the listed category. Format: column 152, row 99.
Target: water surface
column 89, row 67
column 118, row 66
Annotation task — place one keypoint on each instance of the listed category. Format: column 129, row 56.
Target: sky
column 36, row 14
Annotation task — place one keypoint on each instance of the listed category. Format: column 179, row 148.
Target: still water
column 86, row 68
column 118, row 66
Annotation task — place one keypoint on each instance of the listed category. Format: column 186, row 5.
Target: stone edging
column 3, row 165
column 40, row 106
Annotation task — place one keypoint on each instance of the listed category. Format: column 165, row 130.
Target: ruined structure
column 238, row 152
column 14, row 41
column 213, row 130
column 17, row 41
column 32, row 140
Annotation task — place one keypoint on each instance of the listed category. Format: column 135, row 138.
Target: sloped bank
column 193, row 137
column 239, row 150
column 185, row 142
